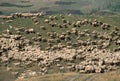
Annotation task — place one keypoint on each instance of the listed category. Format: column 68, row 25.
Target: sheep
column 18, row 32
column 105, row 26
column 49, row 33
column 117, row 49
column 34, row 38
column 17, row 14
column 75, row 31
column 9, row 21
column 74, row 25
column 60, row 45
column 42, row 27
column 67, row 38
column 95, row 24
column 95, row 36
column 41, row 14
column 33, row 18
column 60, row 26
column 47, row 48
column 116, row 28
column 31, row 30
column 53, row 34
column 86, row 31
column 58, row 40
column 77, row 24
column 52, row 24
column 7, row 17
column 64, row 21
column 68, row 47
column 94, row 42
column 10, row 26
column 27, row 15
column 55, row 24
column 94, row 32
column 51, row 18
column 117, row 42
column 55, row 17
column 69, row 23
column 38, row 34
column 68, row 32
column 105, row 44
column 80, row 42
column 51, row 41
column 44, row 39
column 63, row 33
column 20, row 29
column 46, row 21
column 69, row 43
column 115, row 38
column 86, row 21
column 39, row 38
column 62, row 16
column 36, row 22
column 49, row 44
column 81, row 34
column 55, row 47
column 7, row 31
column 65, row 25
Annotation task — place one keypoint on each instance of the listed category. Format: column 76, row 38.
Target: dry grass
column 111, row 76
column 50, row 77
column 84, row 77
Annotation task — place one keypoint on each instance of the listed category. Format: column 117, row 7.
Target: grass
column 13, row 5
column 111, row 76
column 28, row 23
column 6, row 75
column 18, row 6
column 61, row 6
column 51, row 77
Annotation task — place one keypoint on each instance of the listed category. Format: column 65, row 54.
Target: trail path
column 92, row 77
column 89, row 78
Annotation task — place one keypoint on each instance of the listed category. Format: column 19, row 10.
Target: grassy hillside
column 61, row 6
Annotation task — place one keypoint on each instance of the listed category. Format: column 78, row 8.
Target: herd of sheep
column 86, row 51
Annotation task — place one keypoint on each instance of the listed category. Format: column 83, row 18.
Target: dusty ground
column 110, row 76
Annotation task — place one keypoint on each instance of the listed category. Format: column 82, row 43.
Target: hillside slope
column 61, row 6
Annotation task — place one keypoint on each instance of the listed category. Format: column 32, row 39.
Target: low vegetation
column 61, row 6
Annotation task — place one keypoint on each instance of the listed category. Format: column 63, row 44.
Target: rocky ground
column 61, row 53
